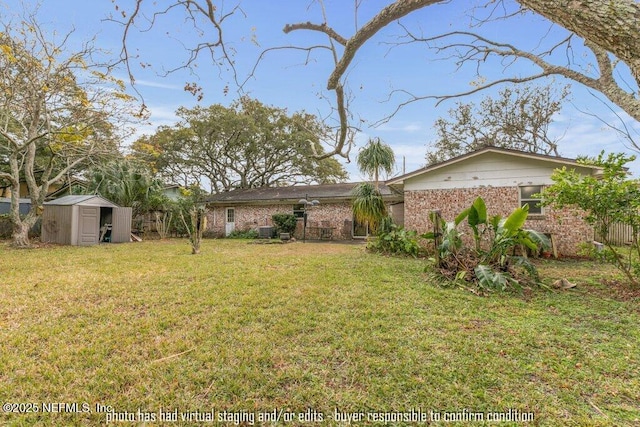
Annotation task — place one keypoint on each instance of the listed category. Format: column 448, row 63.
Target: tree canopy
column 246, row 145
column 519, row 118
column 607, row 200
column 376, row 157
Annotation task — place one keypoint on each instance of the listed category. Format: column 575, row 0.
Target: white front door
column 229, row 221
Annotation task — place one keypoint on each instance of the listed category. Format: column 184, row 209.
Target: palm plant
column 374, row 158
column 124, row 183
column 368, row 206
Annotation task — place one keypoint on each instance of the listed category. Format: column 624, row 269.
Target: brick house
column 505, row 179
column 253, row 208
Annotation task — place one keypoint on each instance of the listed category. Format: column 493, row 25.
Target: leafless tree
column 55, row 114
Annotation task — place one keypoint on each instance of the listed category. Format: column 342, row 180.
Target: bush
column 285, row 223
column 243, row 234
column 490, row 264
column 395, row 240
column 609, row 199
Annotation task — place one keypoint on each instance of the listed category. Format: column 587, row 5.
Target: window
column 530, row 195
column 298, row 211
column 231, row 215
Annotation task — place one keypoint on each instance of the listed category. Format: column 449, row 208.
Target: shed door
column 89, row 225
column 121, row 231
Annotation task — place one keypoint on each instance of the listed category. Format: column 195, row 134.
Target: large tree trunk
column 21, row 228
column 613, row 25
column 20, row 236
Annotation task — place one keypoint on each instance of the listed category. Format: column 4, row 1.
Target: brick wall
column 336, row 215
column 567, row 226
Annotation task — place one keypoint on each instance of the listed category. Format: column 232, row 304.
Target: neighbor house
column 67, row 186
column 505, row 179
column 253, row 208
column 5, row 205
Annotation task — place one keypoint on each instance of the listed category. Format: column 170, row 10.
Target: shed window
column 530, row 195
column 298, row 211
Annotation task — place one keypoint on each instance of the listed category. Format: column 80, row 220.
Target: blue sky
column 283, row 79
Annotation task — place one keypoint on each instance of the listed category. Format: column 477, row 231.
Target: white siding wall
column 486, row 170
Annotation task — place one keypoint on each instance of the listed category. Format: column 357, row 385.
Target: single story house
column 505, row 179
column 253, row 208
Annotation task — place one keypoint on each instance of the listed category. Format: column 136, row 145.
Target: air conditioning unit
column 266, row 232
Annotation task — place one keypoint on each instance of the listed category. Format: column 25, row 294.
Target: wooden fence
column 619, row 234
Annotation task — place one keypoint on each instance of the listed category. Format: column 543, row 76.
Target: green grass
column 297, row 327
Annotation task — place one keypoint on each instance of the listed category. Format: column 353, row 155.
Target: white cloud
column 148, row 83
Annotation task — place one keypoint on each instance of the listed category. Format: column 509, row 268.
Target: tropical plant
column 491, row 264
column 374, row 158
column 368, row 206
column 395, row 240
column 126, row 183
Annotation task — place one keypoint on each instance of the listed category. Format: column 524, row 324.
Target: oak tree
column 245, row 145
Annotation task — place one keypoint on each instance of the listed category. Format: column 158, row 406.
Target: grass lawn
column 137, row 330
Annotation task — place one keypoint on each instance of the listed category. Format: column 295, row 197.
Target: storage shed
column 85, row 220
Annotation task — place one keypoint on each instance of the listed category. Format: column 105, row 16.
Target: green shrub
column 285, row 223
column 243, row 234
column 606, row 200
column 395, row 240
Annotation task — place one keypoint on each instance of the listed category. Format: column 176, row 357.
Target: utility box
column 266, row 232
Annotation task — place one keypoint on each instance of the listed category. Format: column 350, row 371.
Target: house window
column 530, row 195
column 298, row 211
column 231, row 215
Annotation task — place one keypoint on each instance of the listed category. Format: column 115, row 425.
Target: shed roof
column 342, row 191
column 83, row 200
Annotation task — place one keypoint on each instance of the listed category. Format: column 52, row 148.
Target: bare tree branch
column 193, row 9
column 623, row 130
column 478, row 49
column 323, row 28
